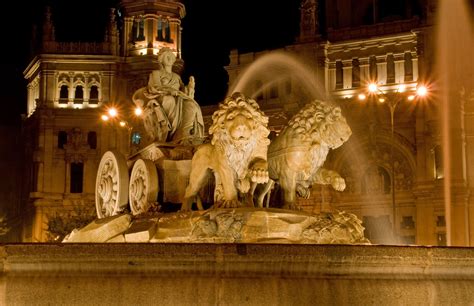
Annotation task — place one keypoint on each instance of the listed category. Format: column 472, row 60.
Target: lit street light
column 113, row 116
column 392, row 100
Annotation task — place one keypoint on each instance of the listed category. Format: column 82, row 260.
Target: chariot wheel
column 144, row 188
column 111, row 186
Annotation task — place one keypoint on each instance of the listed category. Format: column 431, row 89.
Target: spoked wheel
column 143, row 186
column 111, row 187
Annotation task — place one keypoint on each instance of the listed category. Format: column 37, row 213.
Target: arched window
column 94, row 95
column 63, row 94
column 62, row 139
column 139, row 29
column 92, row 140
column 376, row 180
column 79, row 94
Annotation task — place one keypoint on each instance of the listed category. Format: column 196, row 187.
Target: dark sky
column 247, row 25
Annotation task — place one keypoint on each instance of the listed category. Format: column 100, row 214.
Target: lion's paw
column 338, row 183
column 303, row 192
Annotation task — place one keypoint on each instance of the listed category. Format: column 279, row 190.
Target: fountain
column 236, row 157
column 455, row 68
column 241, row 258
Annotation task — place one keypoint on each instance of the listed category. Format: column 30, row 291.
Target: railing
column 101, row 48
column 373, row 30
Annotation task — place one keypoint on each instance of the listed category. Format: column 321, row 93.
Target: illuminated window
column 77, row 174
column 136, row 138
column 408, row 67
column 390, row 69
column 138, row 30
column 79, row 94
column 63, row 94
column 373, row 68
column 442, row 239
column 339, row 75
column 355, row 73
column 440, row 221
column 407, row 222
column 94, row 95
column 438, row 162
column 376, row 180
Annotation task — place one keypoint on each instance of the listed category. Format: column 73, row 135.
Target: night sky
column 248, row 26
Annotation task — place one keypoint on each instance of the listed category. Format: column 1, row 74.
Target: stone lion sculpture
column 296, row 155
column 237, row 153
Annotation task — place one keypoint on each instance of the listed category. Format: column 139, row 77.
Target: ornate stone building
column 69, row 85
column 394, row 172
column 393, row 169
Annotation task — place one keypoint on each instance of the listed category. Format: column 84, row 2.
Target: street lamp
column 392, row 100
column 113, row 115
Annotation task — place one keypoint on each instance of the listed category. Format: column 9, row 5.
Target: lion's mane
column 239, row 156
column 318, row 122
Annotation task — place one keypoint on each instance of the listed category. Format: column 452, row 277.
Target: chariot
column 157, row 173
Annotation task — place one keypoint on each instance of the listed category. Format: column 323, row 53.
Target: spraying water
column 455, row 69
column 276, row 67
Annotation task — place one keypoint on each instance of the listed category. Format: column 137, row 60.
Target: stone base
column 234, row 274
column 242, row 225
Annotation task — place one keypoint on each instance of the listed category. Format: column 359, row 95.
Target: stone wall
column 234, row 274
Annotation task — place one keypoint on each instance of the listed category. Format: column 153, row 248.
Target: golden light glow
column 112, row 112
column 104, row 117
column 381, row 100
column 361, row 97
column 372, row 87
column 402, row 88
column 422, row 91
column 411, row 97
column 138, row 111
column 122, row 123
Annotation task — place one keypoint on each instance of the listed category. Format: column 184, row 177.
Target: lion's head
column 321, row 122
column 239, row 127
column 239, row 120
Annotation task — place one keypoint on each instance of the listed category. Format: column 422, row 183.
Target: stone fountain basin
column 234, row 274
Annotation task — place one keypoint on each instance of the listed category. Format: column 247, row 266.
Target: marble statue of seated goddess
column 170, row 112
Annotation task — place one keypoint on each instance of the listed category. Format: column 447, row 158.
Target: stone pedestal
column 234, row 274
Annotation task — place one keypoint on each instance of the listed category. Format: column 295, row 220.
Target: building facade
column 70, row 84
column 393, row 163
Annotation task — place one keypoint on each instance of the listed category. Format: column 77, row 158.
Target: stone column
column 150, row 21
column 126, row 35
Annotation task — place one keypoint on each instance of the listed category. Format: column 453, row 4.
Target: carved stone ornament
column 143, row 190
column 111, row 194
column 238, row 225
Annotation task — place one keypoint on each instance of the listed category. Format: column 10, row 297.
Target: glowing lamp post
column 392, row 100
column 112, row 114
